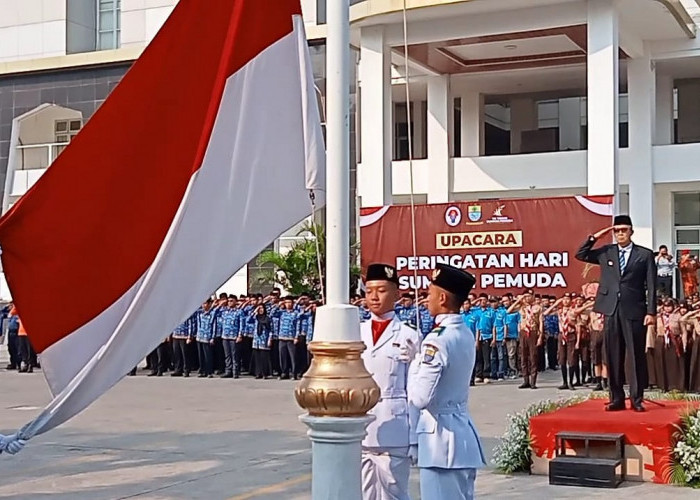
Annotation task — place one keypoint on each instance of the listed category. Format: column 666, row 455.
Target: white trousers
column 385, row 473
column 447, row 484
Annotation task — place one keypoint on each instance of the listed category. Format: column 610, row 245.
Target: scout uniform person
column 568, row 338
column 531, row 336
column 391, row 345
column 584, row 334
column 669, row 349
column 512, row 334
column 449, row 450
column 596, row 323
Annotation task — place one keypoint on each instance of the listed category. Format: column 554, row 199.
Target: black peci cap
column 622, row 220
column 453, row 280
column 382, row 272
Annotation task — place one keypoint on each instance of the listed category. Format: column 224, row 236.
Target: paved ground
column 163, row 438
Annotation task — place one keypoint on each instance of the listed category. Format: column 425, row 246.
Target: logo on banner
column 474, row 213
column 453, row 216
column 498, row 216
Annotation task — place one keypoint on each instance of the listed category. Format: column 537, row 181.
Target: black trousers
column 158, row 358
column 231, row 357
column 287, row 357
column 262, row 362
column 206, row 358
column 302, row 355
column 26, row 352
column 552, row 352
column 483, row 370
column 219, row 355
column 626, row 338
column 664, row 286
column 13, row 349
column 180, row 359
column 246, row 347
column 275, row 356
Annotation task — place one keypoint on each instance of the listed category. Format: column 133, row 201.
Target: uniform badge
column 429, row 354
column 610, row 263
column 389, row 272
column 438, row 330
column 436, row 273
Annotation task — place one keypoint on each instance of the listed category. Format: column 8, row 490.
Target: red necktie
column 378, row 328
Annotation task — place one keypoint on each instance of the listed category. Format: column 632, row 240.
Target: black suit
column 624, row 300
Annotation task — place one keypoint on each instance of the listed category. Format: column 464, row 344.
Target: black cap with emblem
column 382, row 272
column 453, row 280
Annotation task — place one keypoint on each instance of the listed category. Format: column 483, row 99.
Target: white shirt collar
column 440, row 318
column 626, row 249
column 384, row 317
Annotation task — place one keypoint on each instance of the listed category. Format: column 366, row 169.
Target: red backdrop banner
column 509, row 245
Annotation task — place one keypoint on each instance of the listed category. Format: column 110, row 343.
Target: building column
column 374, row 173
column 523, row 116
column 664, row 110
column 641, row 84
column 471, row 124
column 439, row 109
column 570, row 124
column 688, row 110
column 603, row 100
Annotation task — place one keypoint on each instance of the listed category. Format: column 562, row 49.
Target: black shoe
column 210, row 376
column 472, row 384
column 152, row 374
column 218, row 372
column 284, row 377
column 572, row 387
column 577, row 384
column 524, row 385
column 227, row 375
column 186, row 374
column 615, row 407
column 258, row 377
column 563, row 387
column 237, row 375
column 638, row 408
column 159, row 374
column 267, row 377
column 533, row 386
column 201, row 375
column 598, row 387
column 176, row 374
column 30, row 370
column 11, row 367
column 296, row 377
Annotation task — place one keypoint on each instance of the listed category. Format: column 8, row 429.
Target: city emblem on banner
column 453, row 216
column 474, row 213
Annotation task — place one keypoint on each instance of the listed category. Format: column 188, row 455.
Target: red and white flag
column 203, row 155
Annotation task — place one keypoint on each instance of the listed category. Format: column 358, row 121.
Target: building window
column 64, row 132
column 108, row 24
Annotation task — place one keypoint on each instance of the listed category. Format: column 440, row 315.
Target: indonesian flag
column 203, row 155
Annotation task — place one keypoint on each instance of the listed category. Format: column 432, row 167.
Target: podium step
column 571, row 470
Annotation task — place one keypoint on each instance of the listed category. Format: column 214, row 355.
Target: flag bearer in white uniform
column 391, row 345
column 449, row 450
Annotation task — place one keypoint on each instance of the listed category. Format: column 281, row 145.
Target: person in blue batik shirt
column 230, row 330
column 182, row 337
column 217, row 348
column 512, row 336
column 288, row 333
column 272, row 306
column 246, row 344
column 303, row 309
column 362, row 309
column 426, row 321
column 262, row 341
column 498, row 344
column 205, row 338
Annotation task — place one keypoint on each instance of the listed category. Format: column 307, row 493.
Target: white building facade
column 535, row 98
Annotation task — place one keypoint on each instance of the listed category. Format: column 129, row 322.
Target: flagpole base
column 336, row 445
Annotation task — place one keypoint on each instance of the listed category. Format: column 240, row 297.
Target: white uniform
column 385, row 462
column 449, row 450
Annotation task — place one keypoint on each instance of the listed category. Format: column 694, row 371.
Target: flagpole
column 337, row 391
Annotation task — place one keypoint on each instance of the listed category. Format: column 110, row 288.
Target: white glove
column 11, row 444
column 413, row 454
column 408, row 351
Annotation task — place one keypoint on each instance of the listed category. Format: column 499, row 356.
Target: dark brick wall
column 80, row 89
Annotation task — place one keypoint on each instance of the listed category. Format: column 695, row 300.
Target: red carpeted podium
column 648, row 435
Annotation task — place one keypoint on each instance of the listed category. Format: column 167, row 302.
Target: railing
column 31, row 163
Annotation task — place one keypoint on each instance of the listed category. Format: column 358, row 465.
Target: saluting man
column 391, row 345
column 449, row 449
